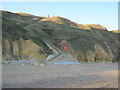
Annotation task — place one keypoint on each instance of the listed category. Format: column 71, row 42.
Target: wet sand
column 93, row 75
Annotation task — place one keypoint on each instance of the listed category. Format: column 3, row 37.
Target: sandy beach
column 86, row 75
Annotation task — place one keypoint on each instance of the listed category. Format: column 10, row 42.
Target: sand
column 86, row 75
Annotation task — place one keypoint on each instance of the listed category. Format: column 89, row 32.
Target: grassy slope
column 77, row 38
column 56, row 29
column 13, row 31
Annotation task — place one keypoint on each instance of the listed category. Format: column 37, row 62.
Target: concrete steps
column 58, row 55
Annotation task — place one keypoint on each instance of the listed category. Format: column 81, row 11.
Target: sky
column 103, row 13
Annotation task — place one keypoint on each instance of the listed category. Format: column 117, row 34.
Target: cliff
column 22, row 50
column 19, row 43
column 22, row 35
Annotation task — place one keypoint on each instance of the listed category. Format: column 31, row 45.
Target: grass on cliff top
column 58, row 20
column 25, row 19
column 67, row 22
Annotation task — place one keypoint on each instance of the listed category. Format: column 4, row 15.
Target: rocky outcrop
column 22, row 49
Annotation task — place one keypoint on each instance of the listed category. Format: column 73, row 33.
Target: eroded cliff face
column 22, row 50
column 96, row 54
column 100, row 54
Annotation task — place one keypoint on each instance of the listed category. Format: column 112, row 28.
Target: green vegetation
column 90, row 42
column 12, row 30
